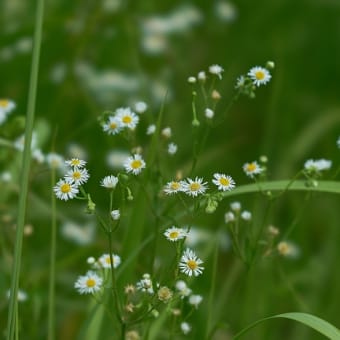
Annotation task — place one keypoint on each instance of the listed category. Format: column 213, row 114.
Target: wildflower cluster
column 256, row 76
column 77, row 175
column 122, row 118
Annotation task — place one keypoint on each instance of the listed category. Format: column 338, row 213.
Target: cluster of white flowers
column 197, row 186
column 6, row 107
column 215, row 70
column 317, row 165
column 256, row 76
column 77, row 175
column 123, row 118
column 235, row 212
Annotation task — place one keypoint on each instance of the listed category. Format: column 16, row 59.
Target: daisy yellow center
column 192, row 264
column 76, row 175
column 4, row 103
column 136, row 164
column 113, row 125
column 224, row 181
column 75, row 162
column 175, row 185
column 108, row 260
column 127, row 119
column 90, row 283
column 174, row 234
column 259, row 75
column 65, row 188
column 195, row 186
column 251, row 167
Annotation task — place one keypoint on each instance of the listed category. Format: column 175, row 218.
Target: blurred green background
column 100, row 55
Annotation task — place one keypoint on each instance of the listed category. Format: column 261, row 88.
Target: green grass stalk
column 13, row 302
column 51, row 292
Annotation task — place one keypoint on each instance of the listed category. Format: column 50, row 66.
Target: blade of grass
column 312, row 321
column 13, row 304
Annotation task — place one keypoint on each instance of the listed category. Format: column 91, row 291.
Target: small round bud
column 191, row 80
column 215, row 95
column 115, row 214
column 209, row 113
column 270, row 65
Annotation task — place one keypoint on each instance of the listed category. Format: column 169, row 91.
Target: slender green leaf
column 312, row 321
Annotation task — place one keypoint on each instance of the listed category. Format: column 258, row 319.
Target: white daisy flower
column 78, row 176
column 185, row 327
column 173, row 187
column 223, row 182
column 109, row 182
column 172, row 148
column 115, row 214
column 105, row 261
column 194, row 187
column 182, row 288
column 166, row 132
column 141, row 107
column 201, row 76
column 217, row 70
column 65, row 189
column 54, row 160
column 240, row 82
column 127, row 118
column 22, row 296
column 174, row 234
column 246, row 215
column 151, row 129
column 252, row 169
column 89, row 283
column 145, row 284
column 91, row 260
column 259, row 75
column 7, row 106
column 288, row 249
column 76, row 163
column 134, row 164
column 209, row 113
column 38, row 156
column 113, row 126
column 190, row 263
column 229, row 217
column 195, row 300
column 317, row 165
column 164, row 294
column 236, row 206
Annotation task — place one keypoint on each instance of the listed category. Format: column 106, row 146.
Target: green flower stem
column 51, row 294
column 211, row 308
column 114, row 286
column 13, row 304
